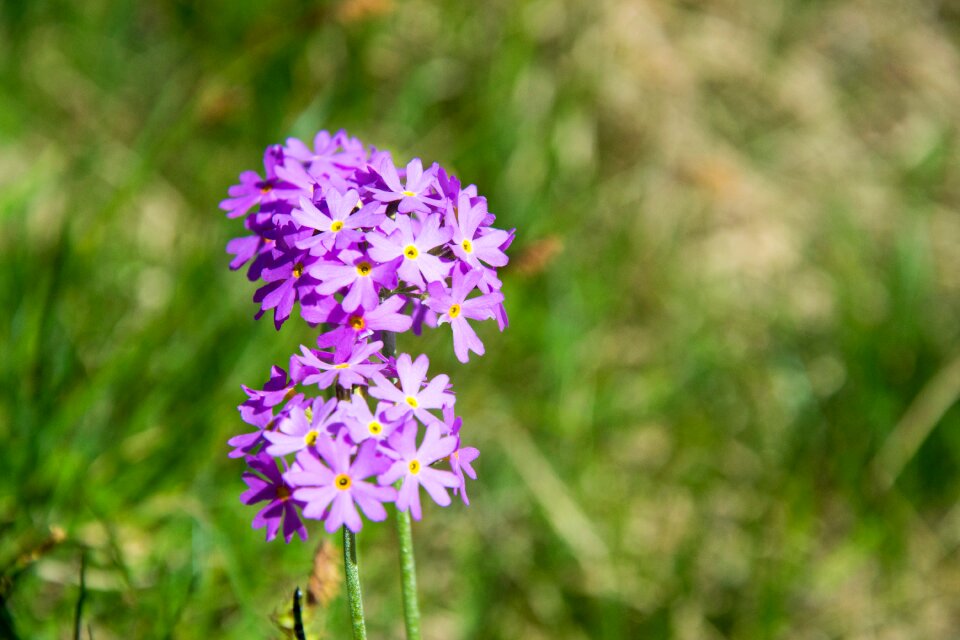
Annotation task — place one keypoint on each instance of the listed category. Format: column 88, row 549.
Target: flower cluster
column 365, row 250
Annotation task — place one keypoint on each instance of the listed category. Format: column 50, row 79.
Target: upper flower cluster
column 365, row 249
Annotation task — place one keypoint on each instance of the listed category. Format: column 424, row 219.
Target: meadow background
column 725, row 405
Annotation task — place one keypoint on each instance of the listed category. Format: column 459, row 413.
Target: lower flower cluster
column 339, row 457
column 366, row 256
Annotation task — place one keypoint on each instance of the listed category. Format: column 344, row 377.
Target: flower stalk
column 408, row 576
column 352, row 572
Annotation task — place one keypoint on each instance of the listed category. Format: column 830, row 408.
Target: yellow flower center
column 467, row 245
column 298, row 270
column 375, row 428
column 414, row 467
column 311, row 438
column 364, row 269
column 342, row 365
column 412, row 402
column 265, row 189
column 283, row 494
column 308, row 412
column 290, row 392
column 342, row 482
column 336, row 226
column 357, row 323
column 409, row 194
column 411, row 252
column 453, row 311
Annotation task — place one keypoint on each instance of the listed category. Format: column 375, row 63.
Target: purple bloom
column 301, row 428
column 454, row 307
column 363, row 424
column 413, row 248
column 414, row 196
column 461, row 463
column 269, row 486
column 470, row 243
column 243, row 249
column 412, row 395
column 348, row 369
column 332, row 491
column 358, row 272
column 413, row 465
column 257, row 410
column 287, row 281
column 356, row 325
column 365, row 249
column 339, row 229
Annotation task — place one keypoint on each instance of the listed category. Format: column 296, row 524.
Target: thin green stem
column 408, row 576
column 352, row 572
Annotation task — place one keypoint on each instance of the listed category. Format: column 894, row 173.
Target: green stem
column 408, row 576
column 352, row 572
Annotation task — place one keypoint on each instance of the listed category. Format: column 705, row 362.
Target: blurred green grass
column 724, row 406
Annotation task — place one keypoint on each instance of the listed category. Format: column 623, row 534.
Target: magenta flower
column 363, row 275
column 461, row 463
column 363, row 424
column 414, row 196
column 301, row 428
column 348, row 369
column 333, row 491
column 469, row 244
column 414, row 249
column 286, row 283
column 360, row 323
column 269, row 486
column 413, row 465
column 339, row 229
column 253, row 190
column 366, row 249
column 454, row 307
column 412, row 394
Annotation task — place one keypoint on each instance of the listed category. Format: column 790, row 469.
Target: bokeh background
column 724, row 408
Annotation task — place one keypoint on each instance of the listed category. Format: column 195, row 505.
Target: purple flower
column 358, row 272
column 356, row 325
column 469, row 244
column 412, row 395
column 257, row 410
column 332, row 491
column 269, row 486
column 364, row 248
column 413, row 465
column 363, row 424
column 414, row 196
column 454, row 307
column 287, row 281
column 413, row 248
column 301, row 428
column 339, row 229
column 461, row 463
column 348, row 369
